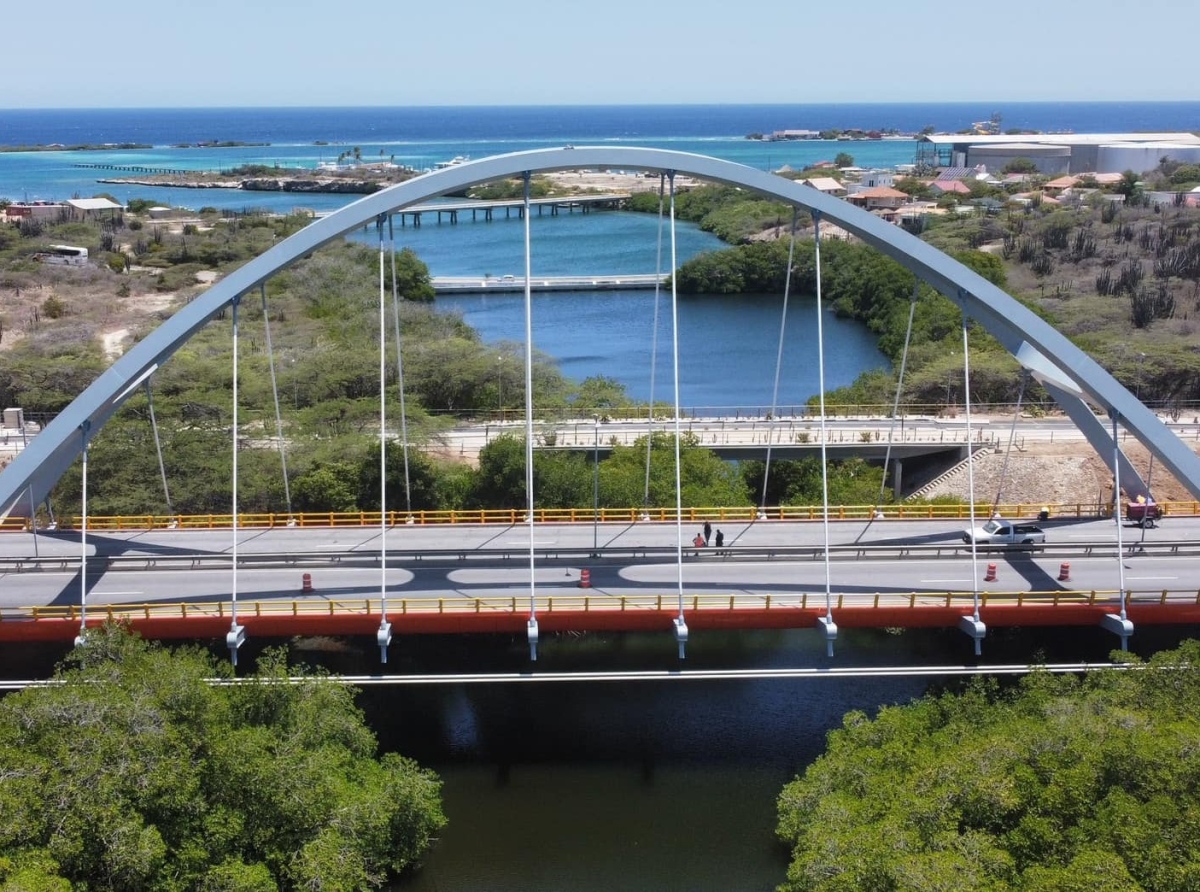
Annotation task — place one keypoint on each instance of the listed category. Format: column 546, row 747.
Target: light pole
column 500, row 386
column 595, row 485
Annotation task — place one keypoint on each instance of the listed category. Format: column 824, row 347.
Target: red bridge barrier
column 591, row 613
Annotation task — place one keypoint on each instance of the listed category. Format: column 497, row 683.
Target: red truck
column 1144, row 512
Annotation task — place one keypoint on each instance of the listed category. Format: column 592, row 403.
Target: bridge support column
column 829, row 629
column 531, row 632
column 383, row 637
column 681, row 636
column 974, row 629
column 897, row 478
column 1122, row 628
column 234, row 639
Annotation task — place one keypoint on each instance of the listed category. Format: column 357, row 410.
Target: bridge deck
column 602, row 613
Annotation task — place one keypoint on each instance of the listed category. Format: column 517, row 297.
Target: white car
column 998, row 531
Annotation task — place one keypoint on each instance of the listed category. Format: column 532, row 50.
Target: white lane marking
column 114, row 594
column 1147, row 578
column 943, row 581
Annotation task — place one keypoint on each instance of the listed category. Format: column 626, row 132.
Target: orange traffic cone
column 991, row 573
column 585, row 578
column 1064, row 572
column 306, row 583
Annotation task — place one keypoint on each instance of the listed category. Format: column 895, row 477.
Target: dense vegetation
column 1062, row 784
column 730, row 213
column 134, row 772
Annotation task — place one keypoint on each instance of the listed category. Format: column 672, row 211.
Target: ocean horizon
column 298, row 125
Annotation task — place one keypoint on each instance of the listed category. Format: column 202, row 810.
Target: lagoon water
column 728, row 344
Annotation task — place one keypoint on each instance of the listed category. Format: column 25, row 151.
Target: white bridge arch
column 1074, row 380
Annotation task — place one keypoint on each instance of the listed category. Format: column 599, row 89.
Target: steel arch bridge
column 1074, row 380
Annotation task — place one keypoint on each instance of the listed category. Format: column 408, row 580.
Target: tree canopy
column 133, row 772
column 1056, row 785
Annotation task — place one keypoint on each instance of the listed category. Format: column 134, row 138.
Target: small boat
column 453, row 162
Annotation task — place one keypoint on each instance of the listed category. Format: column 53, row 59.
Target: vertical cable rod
column 1012, row 434
column 654, row 347
column 83, row 556
column 678, row 429
column 162, row 467
column 1117, row 512
column 382, row 435
column 287, row 486
column 821, row 398
column 233, row 589
column 787, row 287
column 529, row 407
column 400, row 371
column 970, row 465
column 887, row 453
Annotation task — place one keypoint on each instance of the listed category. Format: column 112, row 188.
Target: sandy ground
column 1058, row 473
column 611, row 181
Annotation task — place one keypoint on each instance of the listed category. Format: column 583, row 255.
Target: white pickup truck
column 998, row 531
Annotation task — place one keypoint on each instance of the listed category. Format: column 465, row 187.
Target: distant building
column 872, row 179
column 958, row 187
column 883, row 197
column 1056, row 154
column 91, row 208
column 828, row 185
column 35, row 210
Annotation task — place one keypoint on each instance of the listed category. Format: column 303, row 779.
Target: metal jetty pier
column 499, row 284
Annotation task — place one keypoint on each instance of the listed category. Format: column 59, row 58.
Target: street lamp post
column 500, row 386
column 595, row 485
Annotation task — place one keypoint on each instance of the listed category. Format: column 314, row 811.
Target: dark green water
column 659, row 785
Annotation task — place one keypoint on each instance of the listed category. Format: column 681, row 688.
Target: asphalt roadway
column 738, row 573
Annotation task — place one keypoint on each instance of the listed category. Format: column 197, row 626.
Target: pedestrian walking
column 720, row 538
column 707, row 532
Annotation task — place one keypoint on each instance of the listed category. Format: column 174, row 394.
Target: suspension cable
column 529, row 405
column 234, row 486
column 970, row 466
column 400, row 371
column 654, row 347
column 1117, row 512
column 287, row 486
column 1012, row 433
column 787, row 286
column 83, row 429
column 824, row 431
column 887, row 453
column 162, row 467
column 678, row 430
column 382, row 435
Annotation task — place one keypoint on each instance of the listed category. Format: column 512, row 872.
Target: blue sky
column 147, row 53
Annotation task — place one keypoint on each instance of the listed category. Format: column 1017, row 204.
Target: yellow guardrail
column 512, row 516
column 599, row 603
